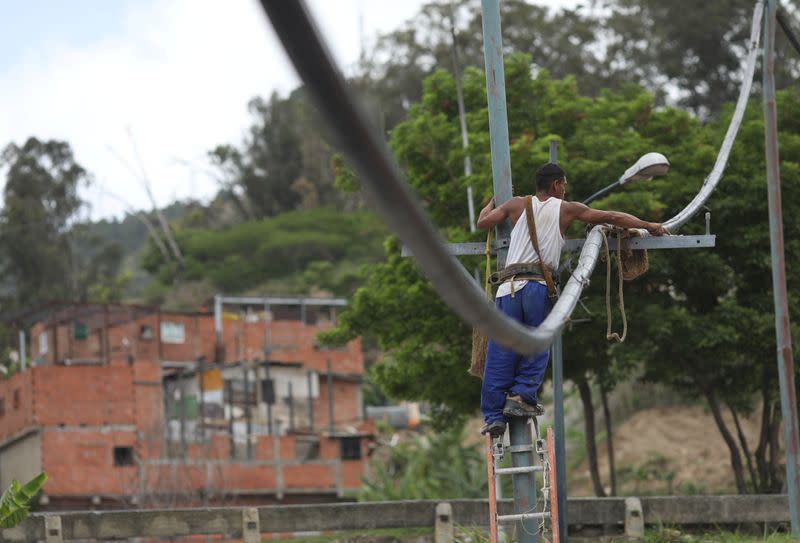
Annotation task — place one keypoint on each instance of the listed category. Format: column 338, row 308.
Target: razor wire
column 388, row 193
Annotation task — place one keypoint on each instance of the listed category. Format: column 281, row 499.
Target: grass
column 479, row 535
column 399, row 533
column 666, row 535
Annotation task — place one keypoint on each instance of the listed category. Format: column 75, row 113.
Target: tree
column 392, row 73
column 425, row 344
column 702, row 298
column 41, row 202
column 720, row 305
column 700, row 62
column 434, row 466
column 284, row 163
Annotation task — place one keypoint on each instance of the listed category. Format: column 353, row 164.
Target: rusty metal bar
column 780, row 296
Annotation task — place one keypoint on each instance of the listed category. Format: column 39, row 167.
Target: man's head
column 551, row 179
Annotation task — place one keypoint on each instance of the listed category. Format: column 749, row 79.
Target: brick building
column 132, row 406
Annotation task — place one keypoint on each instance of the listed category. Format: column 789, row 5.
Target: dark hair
column 547, row 174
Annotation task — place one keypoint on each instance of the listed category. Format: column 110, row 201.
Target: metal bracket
column 572, row 245
column 652, row 242
column 498, row 450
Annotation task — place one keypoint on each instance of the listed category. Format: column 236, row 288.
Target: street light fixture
column 647, row 167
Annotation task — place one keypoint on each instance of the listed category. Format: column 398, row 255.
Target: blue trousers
column 506, row 371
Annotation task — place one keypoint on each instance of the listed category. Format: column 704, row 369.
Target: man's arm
column 577, row 211
column 490, row 216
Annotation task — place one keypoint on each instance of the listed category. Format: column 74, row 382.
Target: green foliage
column 323, row 247
column 434, row 466
column 627, row 41
column 664, row 534
column 284, row 164
column 15, row 501
column 40, row 200
column 699, row 321
column 427, row 346
column 656, row 474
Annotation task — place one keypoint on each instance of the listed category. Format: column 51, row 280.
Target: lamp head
column 647, row 167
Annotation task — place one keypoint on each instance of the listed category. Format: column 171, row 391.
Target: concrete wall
column 21, row 459
column 711, row 511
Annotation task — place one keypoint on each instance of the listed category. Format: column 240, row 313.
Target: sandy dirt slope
column 655, row 443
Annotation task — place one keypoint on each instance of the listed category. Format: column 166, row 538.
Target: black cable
column 787, row 29
column 383, row 183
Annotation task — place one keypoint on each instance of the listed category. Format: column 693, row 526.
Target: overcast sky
column 176, row 74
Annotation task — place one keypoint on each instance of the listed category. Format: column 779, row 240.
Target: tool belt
column 517, row 272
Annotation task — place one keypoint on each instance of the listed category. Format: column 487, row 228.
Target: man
column 511, row 381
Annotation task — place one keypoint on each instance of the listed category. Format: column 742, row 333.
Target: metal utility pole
column 309, row 385
column 498, row 116
column 331, row 420
column 558, row 413
column 232, row 441
column 462, row 118
column 519, row 429
column 22, row 354
column 248, row 414
column 780, row 296
column 290, row 401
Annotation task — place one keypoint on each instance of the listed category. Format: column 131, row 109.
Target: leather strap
column 487, row 288
column 548, row 277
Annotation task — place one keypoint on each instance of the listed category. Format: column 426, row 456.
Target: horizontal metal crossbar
column 521, row 469
column 521, row 516
column 269, row 300
column 664, row 242
column 650, row 242
column 520, row 448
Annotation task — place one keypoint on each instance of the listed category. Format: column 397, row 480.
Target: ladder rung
column 522, row 516
column 521, row 469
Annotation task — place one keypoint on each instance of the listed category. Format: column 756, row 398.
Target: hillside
column 668, row 450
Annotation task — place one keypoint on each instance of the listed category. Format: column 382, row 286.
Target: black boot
column 494, row 429
column 517, row 407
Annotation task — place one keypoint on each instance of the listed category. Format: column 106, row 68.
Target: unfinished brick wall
column 79, row 461
column 83, row 395
column 148, row 407
column 16, row 404
column 292, row 341
column 85, row 411
column 346, row 403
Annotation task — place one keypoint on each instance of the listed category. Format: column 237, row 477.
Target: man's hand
column 656, row 229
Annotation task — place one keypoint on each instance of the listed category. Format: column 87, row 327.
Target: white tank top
column 548, row 232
